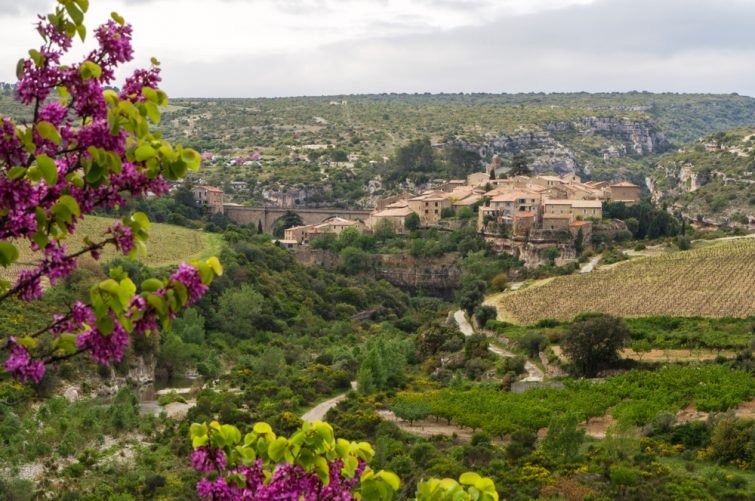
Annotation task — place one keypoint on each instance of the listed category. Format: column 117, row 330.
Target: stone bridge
column 268, row 215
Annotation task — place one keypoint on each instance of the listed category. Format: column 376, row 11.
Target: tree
column 533, row 343
column 550, row 254
column 579, row 242
column 412, row 221
column 519, row 165
column 593, row 343
column 411, row 410
column 86, row 147
column 384, row 230
column 260, row 230
column 286, row 221
column 239, row 310
column 484, row 313
column 564, row 438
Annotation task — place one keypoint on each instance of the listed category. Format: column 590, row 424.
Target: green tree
column 190, row 327
column 564, row 438
column 411, row 410
column 533, row 343
column 412, row 222
column 579, row 242
column 519, row 165
column 286, row 221
column 239, row 310
column 593, row 343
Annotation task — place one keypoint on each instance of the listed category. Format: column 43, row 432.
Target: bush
column 593, row 342
column 533, row 343
column 484, row 313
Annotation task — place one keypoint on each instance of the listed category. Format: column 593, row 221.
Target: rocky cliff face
column 436, row 276
column 642, row 136
column 560, row 146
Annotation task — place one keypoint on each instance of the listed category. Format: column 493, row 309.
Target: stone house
column 626, row 192
column 210, row 197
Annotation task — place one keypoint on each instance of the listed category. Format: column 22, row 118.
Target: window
column 436, row 204
column 436, row 211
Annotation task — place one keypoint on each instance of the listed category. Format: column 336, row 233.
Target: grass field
column 715, row 280
column 167, row 245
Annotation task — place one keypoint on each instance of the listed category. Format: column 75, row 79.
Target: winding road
column 317, row 413
column 533, row 371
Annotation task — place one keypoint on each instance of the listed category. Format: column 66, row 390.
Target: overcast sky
column 252, row 48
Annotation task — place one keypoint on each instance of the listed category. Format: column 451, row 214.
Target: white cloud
column 294, row 47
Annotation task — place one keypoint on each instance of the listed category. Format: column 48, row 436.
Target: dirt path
column 590, row 265
column 533, row 372
column 426, row 427
column 317, row 413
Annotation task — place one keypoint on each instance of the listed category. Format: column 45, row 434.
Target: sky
column 270, row 48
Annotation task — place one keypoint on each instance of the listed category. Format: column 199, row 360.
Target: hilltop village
column 519, row 215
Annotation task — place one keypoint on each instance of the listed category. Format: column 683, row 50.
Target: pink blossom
column 21, row 366
column 189, row 276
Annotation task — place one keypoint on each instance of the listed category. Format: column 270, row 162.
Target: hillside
column 167, row 244
column 336, row 150
column 713, row 177
column 713, row 280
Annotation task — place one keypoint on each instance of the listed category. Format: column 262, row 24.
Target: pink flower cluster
column 288, row 482
column 205, row 459
column 21, row 366
column 104, row 349
column 124, row 238
column 189, row 276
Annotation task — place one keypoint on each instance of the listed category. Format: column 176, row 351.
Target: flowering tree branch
column 87, row 147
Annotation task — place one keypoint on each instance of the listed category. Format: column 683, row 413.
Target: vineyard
column 633, row 398
column 713, row 281
column 167, row 245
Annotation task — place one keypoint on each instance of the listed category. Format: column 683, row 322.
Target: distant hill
column 330, row 150
column 712, row 179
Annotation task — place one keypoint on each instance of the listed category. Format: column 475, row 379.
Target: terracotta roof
column 524, row 214
column 624, row 184
column 516, row 195
column 398, row 212
column 209, row 188
column 580, row 223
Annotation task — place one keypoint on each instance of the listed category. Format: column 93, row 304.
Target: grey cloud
column 17, row 7
column 612, row 45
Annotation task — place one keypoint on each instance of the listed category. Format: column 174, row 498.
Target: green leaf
column 37, row 57
column 152, row 112
column 16, row 172
column 144, row 152
column 71, row 204
column 20, row 68
column 48, row 169
column 126, row 291
column 118, row 19
column 214, row 264
column 151, row 285
column 48, row 131
column 199, row 441
column 141, row 219
column 197, row 430
column 390, row 478
column 158, row 303
column 8, row 253
column 89, row 70
column 469, row 478
column 276, row 448
column 66, row 342
column 82, row 31
column 262, row 428
column 83, row 4
column 105, row 324
column 76, row 15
